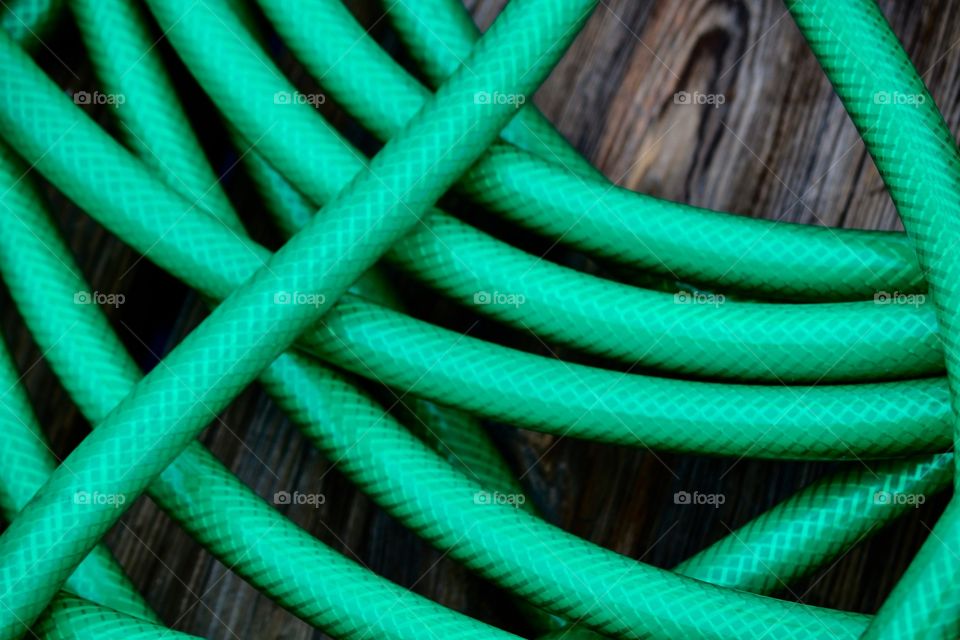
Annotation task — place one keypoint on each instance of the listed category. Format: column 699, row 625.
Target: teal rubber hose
column 818, row 524
column 555, row 198
column 903, row 417
column 72, row 618
column 169, row 407
column 454, row 434
column 305, row 395
column 153, row 124
column 313, row 581
column 392, row 465
column 28, row 21
column 806, row 532
column 26, row 462
column 473, row 460
column 793, row 343
column 552, row 569
column 899, row 121
column 669, row 238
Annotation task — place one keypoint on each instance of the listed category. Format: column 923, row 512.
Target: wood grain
column 780, row 147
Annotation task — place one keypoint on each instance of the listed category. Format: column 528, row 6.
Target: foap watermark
column 297, row 498
column 95, row 498
column 496, row 97
column 895, row 498
column 711, row 99
column 295, row 97
column 98, row 97
column 499, row 298
column 299, row 297
column 97, row 297
column 899, row 98
column 495, row 497
column 897, row 297
column 696, row 498
column 699, row 297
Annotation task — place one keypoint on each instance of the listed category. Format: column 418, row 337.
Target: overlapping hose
column 159, row 418
column 294, row 203
column 116, row 38
column 413, row 483
column 468, row 491
column 787, row 343
column 824, row 421
column 312, row 580
column 926, row 602
column 669, row 238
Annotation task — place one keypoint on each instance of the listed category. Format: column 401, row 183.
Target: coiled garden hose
column 291, row 202
column 824, row 421
column 790, row 343
column 926, row 602
column 116, row 37
column 509, row 546
column 773, row 258
column 312, row 580
column 571, row 308
column 469, row 489
column 444, row 481
column 160, row 417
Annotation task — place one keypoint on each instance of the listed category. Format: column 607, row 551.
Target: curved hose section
column 545, row 565
column 304, row 575
column 153, row 124
column 26, row 462
column 162, row 415
column 72, row 618
column 789, row 343
column 899, row 122
column 678, row 241
column 897, row 417
column 818, row 524
column 27, row 21
column 553, row 396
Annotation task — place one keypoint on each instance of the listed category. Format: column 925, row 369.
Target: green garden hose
column 154, row 125
column 168, row 206
column 926, row 602
column 466, row 451
column 27, row 21
column 828, row 421
column 72, row 618
column 470, row 491
column 159, row 418
column 312, row 394
column 312, row 580
column 774, row 258
column 130, row 67
column 25, row 464
column 909, row 415
column 710, row 337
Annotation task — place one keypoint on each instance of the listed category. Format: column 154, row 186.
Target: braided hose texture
column 676, row 332
column 249, row 329
column 678, row 241
column 167, row 205
column 201, row 494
